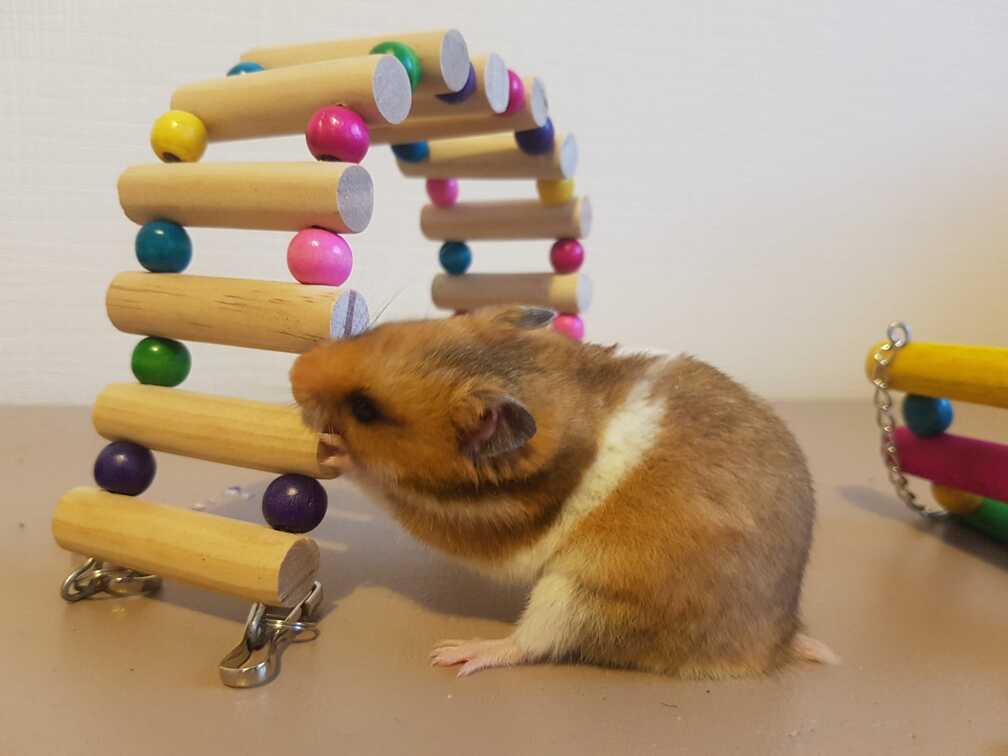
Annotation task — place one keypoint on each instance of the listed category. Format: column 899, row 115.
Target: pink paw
column 475, row 655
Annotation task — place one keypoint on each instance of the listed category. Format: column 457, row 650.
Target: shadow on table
column 363, row 547
column 954, row 534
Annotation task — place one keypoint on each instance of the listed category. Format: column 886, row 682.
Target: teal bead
column 245, row 67
column 163, row 247
column 456, row 257
column 926, row 416
column 161, row 362
column 412, row 152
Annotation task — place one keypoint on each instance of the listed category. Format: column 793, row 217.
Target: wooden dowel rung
column 977, row 374
column 569, row 293
column 279, row 316
column 274, row 103
column 494, row 156
column 216, row 553
column 443, row 56
column 533, row 115
column 509, row 219
column 263, row 196
column 240, row 432
column 491, row 95
column 966, row 464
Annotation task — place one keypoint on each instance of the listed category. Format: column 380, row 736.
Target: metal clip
column 256, row 659
column 95, row 576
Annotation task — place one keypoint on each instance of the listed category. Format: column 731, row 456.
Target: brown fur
column 693, row 566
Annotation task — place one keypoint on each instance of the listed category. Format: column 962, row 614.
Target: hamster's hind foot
column 476, row 654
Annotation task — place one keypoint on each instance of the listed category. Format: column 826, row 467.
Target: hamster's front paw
column 477, row 654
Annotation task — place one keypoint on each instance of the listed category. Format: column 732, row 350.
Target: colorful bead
column 294, row 503
column 160, row 362
column 317, row 256
column 125, row 468
column 555, row 192
column 406, row 56
column 338, row 133
column 566, row 255
column 536, row 141
column 163, row 247
column 178, row 137
column 926, row 416
column 955, row 501
column 455, row 257
column 467, row 91
column 245, row 67
column 413, row 152
column 443, row 192
column 569, row 325
column 516, row 93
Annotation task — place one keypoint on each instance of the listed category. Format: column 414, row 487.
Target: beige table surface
column 920, row 618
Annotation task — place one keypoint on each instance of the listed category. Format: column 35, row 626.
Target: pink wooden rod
column 968, row 464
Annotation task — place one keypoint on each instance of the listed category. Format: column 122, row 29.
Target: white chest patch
column 630, row 434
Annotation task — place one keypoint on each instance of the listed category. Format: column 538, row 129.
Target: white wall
column 772, row 180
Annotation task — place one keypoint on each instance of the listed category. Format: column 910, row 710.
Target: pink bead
column 569, row 325
column 443, row 192
column 516, row 93
column 317, row 256
column 567, row 255
column 338, row 133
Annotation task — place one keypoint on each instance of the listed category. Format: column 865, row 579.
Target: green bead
column 991, row 518
column 406, row 56
column 161, row 362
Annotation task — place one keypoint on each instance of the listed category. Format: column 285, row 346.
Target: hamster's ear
column 491, row 422
column 525, row 318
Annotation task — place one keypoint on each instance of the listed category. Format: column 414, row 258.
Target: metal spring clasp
column 96, row 576
column 268, row 631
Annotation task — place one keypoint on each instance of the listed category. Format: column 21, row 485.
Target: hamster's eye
column 363, row 408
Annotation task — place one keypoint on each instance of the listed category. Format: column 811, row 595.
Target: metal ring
column 898, row 333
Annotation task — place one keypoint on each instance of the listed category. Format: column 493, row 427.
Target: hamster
column 661, row 513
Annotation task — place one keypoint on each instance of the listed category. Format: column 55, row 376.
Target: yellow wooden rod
column 257, row 435
column 569, row 293
column 216, row 553
column 491, row 95
column 977, row 374
column 507, row 219
column 494, row 156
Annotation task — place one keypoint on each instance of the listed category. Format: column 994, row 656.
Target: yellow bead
column 956, row 502
column 555, row 192
column 178, row 136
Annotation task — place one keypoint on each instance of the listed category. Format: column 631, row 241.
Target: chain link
column 897, row 337
column 94, row 576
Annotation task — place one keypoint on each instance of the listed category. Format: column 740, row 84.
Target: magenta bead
column 338, row 133
column 516, row 93
column 317, row 256
column 443, row 192
column 567, row 255
column 569, row 325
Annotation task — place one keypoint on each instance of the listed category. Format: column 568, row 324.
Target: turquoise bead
column 163, row 247
column 926, row 416
column 245, row 67
column 414, row 152
column 456, row 257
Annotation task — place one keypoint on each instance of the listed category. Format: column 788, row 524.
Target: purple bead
column 125, row 468
column 463, row 94
column 294, row 503
column 536, row 141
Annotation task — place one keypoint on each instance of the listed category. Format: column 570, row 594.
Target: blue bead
column 163, row 247
column 294, row 503
column 414, row 152
column 926, row 416
column 456, row 257
column 536, row 141
column 246, row 67
column 453, row 98
column 125, row 468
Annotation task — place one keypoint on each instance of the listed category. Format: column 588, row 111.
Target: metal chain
column 897, row 337
column 94, row 576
